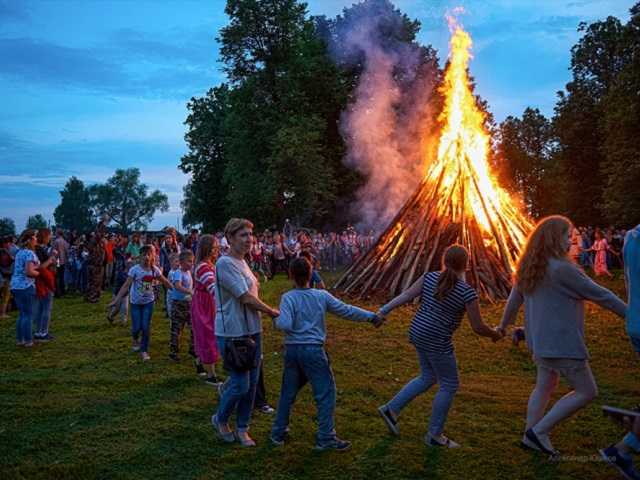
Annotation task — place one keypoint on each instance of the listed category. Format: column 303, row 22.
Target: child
column 139, row 284
column 180, row 298
column 302, row 317
column 174, row 260
column 316, row 280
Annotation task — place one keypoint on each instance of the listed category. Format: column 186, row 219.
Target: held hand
column 274, row 313
column 378, row 320
column 498, row 334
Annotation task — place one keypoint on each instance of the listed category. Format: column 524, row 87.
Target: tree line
column 122, row 200
column 266, row 144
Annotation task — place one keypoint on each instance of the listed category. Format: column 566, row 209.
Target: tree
column 74, row 211
column 526, row 151
column 126, row 201
column 7, row 227
column 36, row 222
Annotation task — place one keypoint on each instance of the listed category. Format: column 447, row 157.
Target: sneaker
column 37, row 337
column 28, row 344
column 613, row 457
column 279, row 441
column 200, row 371
column 46, row 338
column 145, row 356
column 443, row 441
column 532, row 441
column 174, row 357
column 244, row 439
column 266, row 409
column 135, row 347
column 392, row 423
column 227, row 437
column 213, row 381
column 338, row 445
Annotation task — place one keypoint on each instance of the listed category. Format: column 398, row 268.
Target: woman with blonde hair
column 444, row 299
column 553, row 289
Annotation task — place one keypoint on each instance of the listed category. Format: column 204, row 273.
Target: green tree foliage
column 268, row 145
column 126, row 201
column 7, row 227
column 74, row 211
column 525, row 156
column 36, row 222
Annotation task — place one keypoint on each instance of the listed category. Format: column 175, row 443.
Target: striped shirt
column 436, row 320
column 205, row 277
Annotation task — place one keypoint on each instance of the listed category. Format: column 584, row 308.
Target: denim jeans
column 141, row 323
column 434, row 368
column 24, row 301
column 240, row 390
column 302, row 364
column 42, row 313
column 635, row 342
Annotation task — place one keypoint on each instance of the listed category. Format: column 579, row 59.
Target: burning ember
column 459, row 200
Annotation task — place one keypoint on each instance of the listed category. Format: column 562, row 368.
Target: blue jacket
column 302, row 315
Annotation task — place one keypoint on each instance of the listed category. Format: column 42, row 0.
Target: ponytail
column 454, row 259
column 446, row 283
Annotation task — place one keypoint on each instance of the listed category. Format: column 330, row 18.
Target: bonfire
column 458, row 201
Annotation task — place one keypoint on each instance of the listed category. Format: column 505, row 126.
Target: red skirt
column 203, row 315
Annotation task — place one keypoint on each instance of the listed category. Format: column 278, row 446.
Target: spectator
column 23, row 286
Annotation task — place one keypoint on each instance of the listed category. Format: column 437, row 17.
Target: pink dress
column 203, row 313
column 600, row 264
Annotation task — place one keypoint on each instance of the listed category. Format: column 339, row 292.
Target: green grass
column 83, row 406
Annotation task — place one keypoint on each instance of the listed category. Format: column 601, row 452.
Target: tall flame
column 461, row 171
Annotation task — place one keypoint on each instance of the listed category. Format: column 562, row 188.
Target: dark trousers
column 60, row 286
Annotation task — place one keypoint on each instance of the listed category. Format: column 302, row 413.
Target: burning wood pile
column 459, row 201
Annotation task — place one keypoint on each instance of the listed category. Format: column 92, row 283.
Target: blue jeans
column 302, row 364
column 24, row 301
column 240, row 391
column 141, row 323
column 635, row 342
column 42, row 313
column 434, row 368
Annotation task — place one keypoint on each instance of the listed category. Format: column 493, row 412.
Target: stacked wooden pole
column 433, row 218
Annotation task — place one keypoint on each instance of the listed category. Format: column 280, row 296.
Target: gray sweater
column 554, row 311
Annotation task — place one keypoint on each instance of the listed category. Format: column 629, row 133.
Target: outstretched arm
column 511, row 310
column 478, row 325
column 405, row 297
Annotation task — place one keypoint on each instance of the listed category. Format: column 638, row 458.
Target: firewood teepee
column 458, row 201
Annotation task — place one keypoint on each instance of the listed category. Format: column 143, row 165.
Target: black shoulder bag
column 239, row 352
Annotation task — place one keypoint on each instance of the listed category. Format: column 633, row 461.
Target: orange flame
column 461, row 171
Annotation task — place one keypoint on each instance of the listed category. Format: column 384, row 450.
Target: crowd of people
column 212, row 289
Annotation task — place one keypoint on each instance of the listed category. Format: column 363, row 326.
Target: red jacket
column 45, row 282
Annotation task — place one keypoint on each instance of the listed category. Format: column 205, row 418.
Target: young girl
column 553, row 290
column 139, row 284
column 444, row 298
column 601, row 247
column 203, row 306
column 302, row 317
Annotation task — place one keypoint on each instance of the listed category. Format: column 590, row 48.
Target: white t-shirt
column 235, row 278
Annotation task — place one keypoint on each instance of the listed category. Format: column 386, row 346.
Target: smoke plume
column 389, row 122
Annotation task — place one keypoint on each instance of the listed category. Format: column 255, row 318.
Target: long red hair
column 547, row 240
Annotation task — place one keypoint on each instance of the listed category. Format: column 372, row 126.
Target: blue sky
column 88, row 86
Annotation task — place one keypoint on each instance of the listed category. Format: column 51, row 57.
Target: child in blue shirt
column 180, row 297
column 302, row 318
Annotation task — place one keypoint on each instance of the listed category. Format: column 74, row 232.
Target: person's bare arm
column 478, row 325
column 122, row 292
column 257, row 304
column 405, row 297
column 31, row 270
column 178, row 286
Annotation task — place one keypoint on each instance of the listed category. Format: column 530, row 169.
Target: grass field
column 83, row 406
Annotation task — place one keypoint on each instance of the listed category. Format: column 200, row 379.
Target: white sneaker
column 145, row 356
